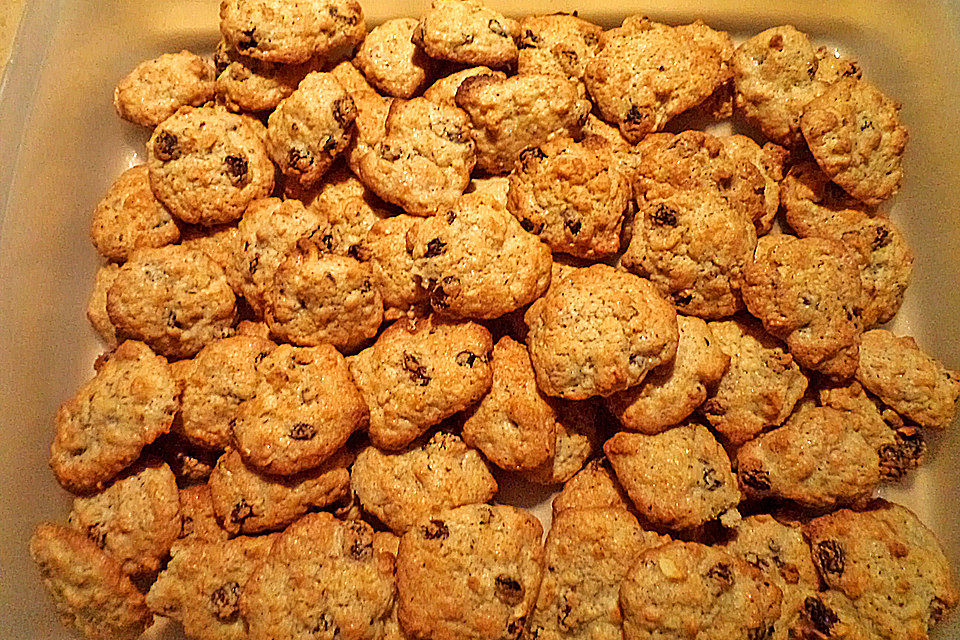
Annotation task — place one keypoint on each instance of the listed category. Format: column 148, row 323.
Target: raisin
column 591, row 39
column 756, row 479
column 225, row 600
column 528, row 40
column 636, row 115
column 455, row 135
column 497, row 28
column 451, row 216
column 722, row 574
column 571, row 222
column 882, row 238
column 299, row 161
column 468, row 358
column 851, row 70
column 436, row 530
column 439, row 294
column 236, row 168
column 821, row 617
column 829, row 557
column 302, row 431
column 570, row 57
column 508, row 590
column 344, row 111
column 240, row 512
column 529, row 226
column 435, row 247
column 340, row 17
column 904, row 454
column 664, row 215
column 166, row 147
column 776, row 41
column 529, row 155
column 710, row 482
column 418, row 372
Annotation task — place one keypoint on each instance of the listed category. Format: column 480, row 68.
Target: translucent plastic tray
column 61, row 146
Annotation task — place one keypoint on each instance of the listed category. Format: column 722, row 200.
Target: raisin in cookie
column 594, row 486
column 372, row 111
column 130, row 217
column 599, row 331
column 572, row 194
column 469, row 573
column 207, row 164
column 476, row 260
column 198, row 518
column 97, row 305
column 305, row 407
column 104, row 426
column 385, row 249
column 679, row 479
column 560, row 44
column 155, row 89
column 403, row 488
column 467, row 32
column 391, row 62
column 444, row 90
column 248, row 84
column 419, row 373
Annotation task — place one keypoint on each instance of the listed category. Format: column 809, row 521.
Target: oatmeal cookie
column 385, row 249
column 248, row 84
column 599, row 331
column 577, row 438
column 444, row 90
column 104, row 426
column 469, row 573
column 768, row 160
column 372, row 111
column 493, row 187
column 391, row 62
column 595, row 485
column 560, row 44
column 220, row 245
column 97, row 305
column 207, row 164
column 467, row 32
column 199, row 520
column 155, row 89
column 678, row 479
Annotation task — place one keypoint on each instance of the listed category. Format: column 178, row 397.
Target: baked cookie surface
column 467, row 32
column 390, row 60
column 156, row 88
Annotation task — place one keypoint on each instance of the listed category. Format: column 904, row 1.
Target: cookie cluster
column 363, row 278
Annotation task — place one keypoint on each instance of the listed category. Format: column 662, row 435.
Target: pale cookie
column 513, row 114
column 372, row 111
column 560, row 44
column 352, row 80
column 594, row 126
column 494, row 187
column 594, row 486
column 391, row 62
column 905, row 378
column 469, row 573
column 444, row 90
column 759, row 389
column 679, row 479
column 685, row 590
column 573, row 195
column 135, row 519
column 806, row 291
column 92, row 595
column 889, row 565
column 401, row 489
column 423, row 160
column 174, row 298
column 310, row 128
column 304, row 409
column 476, row 260
column 577, row 437
column 816, row 459
column 130, row 217
column 419, row 373
column 201, row 586
column 199, row 520
column 768, row 160
column 646, row 73
column 220, row 245
column 292, row 32
column 385, row 249
column 855, row 134
column 467, row 32
column 97, row 305
column 207, row 164
column 248, row 84
column 322, row 579
column 103, row 427
column 672, row 391
column 156, row 88
column 586, row 555
column 599, row 331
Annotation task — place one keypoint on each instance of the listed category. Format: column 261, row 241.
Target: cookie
column 97, row 305
column 135, row 519
column 759, row 389
column 247, row 501
column 768, row 160
column 156, row 88
column 595, row 486
column 310, row 128
column 323, row 578
column 599, row 331
column 577, row 437
column 909, row 381
column 594, row 126
column 689, row 590
column 493, row 187
column 92, row 595
column 130, row 217
column 305, row 407
column 467, row 32
column 672, row 391
column 103, row 427
column 816, row 459
column 215, row 382
column 889, row 566
column 508, row 115
column 201, row 586
column 646, row 73
column 391, row 62
column 815, row 207
column 278, row 31
column 814, row 305
column 385, row 249
column 854, row 132
column 419, row 373
column 372, row 111
column 777, row 73
column 199, row 520
column 248, row 84
column 423, row 160
column 352, row 80
column 174, row 298
column 402, row 488
column 470, row 572
column 679, row 479
column 444, row 90
column 586, row 555
column 207, row 164
column 220, row 245
column 573, row 195
column 476, row 261
column 560, row 44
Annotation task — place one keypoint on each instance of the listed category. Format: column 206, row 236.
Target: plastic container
column 61, row 146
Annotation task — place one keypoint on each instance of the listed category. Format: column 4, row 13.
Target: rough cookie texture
column 385, row 249
column 391, row 62
column 678, row 479
column 198, row 518
column 405, row 487
column 599, row 331
column 248, row 84
column 156, row 88
column 103, row 427
column 97, row 305
column 465, row 31
column 419, row 373
column 372, row 111
column 476, row 261
column 768, row 161
column 469, row 573
column 444, row 90
column 207, row 164
column 577, row 437
column 806, row 291
column 594, row 486
column 560, row 44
